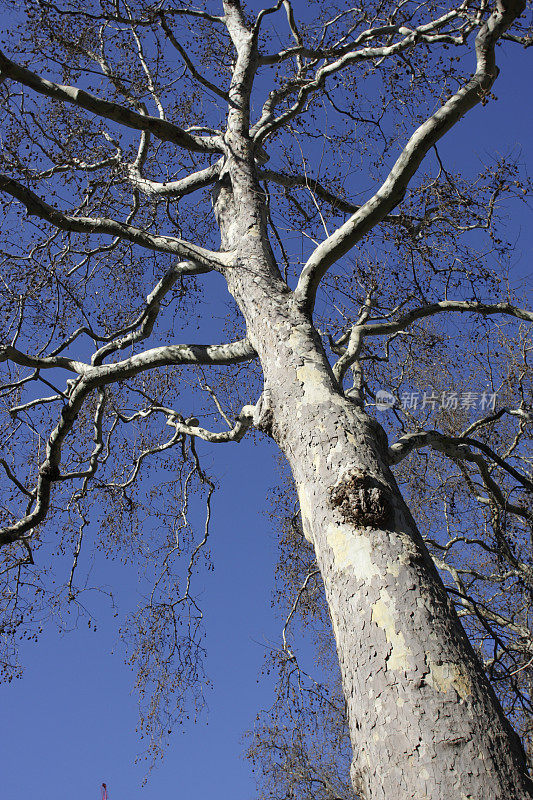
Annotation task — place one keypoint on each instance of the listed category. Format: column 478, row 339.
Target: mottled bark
column 424, row 720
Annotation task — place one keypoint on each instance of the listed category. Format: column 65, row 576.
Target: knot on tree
column 362, row 500
column 50, row 472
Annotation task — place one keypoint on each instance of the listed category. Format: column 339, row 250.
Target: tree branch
column 347, row 57
column 166, row 131
column 168, row 356
column 472, row 306
column 147, row 20
column 353, row 337
column 296, row 181
column 393, row 189
column 458, row 449
column 165, row 356
column 180, row 188
column 190, row 66
column 192, row 428
column 97, row 377
column 440, row 441
column 206, row 259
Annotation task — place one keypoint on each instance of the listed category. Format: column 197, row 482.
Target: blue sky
column 69, row 723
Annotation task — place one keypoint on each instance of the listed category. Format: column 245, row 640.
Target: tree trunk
column 424, row 720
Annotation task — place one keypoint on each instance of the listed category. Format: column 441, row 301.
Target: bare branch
column 353, row 338
column 471, row 306
column 98, row 377
column 146, row 20
column 190, row 66
column 192, row 428
column 142, row 327
column 9, row 353
column 169, row 355
column 347, row 57
column 393, row 189
column 293, row 181
column 166, row 131
column 458, row 449
column 301, row 590
column 35, row 205
column 525, row 41
column 180, row 188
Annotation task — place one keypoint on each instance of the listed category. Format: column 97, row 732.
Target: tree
column 255, row 102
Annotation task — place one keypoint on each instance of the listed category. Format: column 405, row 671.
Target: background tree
column 241, row 104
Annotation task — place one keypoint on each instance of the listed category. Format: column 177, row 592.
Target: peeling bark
column 424, row 720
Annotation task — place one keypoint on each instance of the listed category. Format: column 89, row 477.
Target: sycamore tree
column 292, row 153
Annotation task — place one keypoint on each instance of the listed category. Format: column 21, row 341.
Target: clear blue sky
column 68, row 724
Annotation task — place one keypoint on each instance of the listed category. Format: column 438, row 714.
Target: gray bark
column 424, row 721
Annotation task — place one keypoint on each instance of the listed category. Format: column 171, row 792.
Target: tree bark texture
column 424, row 720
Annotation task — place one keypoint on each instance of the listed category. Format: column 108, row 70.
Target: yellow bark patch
column 312, row 378
column 351, row 550
column 384, row 615
column 448, row 675
column 394, row 569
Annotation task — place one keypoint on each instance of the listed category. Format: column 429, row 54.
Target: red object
column 104, row 792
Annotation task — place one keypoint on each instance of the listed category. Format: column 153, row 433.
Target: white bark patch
column 351, row 550
column 385, row 615
column 337, row 450
column 306, row 511
column 448, row 675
